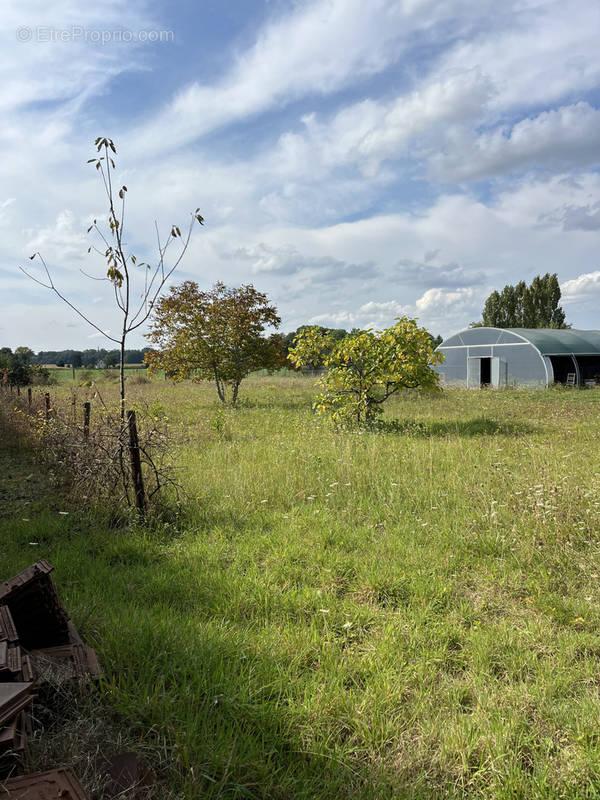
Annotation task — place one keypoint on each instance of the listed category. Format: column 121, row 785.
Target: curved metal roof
column 556, row 342
column 549, row 341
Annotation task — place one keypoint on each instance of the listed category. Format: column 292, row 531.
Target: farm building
column 498, row 357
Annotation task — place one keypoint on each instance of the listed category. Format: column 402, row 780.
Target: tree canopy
column 16, row 368
column 214, row 335
column 365, row 368
column 522, row 306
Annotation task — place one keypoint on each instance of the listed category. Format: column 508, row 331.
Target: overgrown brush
column 92, row 462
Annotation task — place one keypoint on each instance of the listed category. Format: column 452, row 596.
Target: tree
column 215, row 335
column 366, row 368
column 24, row 354
column 111, row 359
column 333, row 334
column 136, row 284
column 16, row 369
column 522, row 306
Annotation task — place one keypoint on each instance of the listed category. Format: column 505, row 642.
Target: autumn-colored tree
column 214, row 335
column 367, row 367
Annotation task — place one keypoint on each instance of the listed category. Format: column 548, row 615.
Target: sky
column 355, row 161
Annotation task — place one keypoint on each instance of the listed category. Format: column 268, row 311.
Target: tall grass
column 408, row 613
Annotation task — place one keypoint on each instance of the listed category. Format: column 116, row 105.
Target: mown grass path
column 411, row 613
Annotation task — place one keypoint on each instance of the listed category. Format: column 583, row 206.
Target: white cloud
column 363, row 134
column 585, row 287
column 62, row 241
column 437, row 309
column 560, row 139
column 534, row 52
column 318, row 48
column 72, row 69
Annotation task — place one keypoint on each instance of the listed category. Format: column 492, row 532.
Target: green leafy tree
column 24, row 354
column 214, row 335
column 16, row 368
column 111, row 359
column 522, row 306
column 366, row 368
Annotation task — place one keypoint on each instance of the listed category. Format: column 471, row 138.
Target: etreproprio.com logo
column 79, row 33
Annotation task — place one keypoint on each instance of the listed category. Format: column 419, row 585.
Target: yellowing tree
column 364, row 369
column 215, row 335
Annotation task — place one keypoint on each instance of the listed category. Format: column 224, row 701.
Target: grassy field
column 411, row 613
column 70, row 376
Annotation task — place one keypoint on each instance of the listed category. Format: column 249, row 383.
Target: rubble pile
column 34, row 627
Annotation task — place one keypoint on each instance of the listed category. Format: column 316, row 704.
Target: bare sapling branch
column 123, row 269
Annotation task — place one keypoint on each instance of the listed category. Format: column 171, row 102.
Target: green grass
column 410, row 613
column 64, row 375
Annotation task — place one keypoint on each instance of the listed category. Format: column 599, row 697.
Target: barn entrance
column 486, row 371
column 563, row 366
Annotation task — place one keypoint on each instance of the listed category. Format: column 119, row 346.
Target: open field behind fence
column 411, row 613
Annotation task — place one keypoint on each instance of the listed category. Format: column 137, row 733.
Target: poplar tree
column 522, row 306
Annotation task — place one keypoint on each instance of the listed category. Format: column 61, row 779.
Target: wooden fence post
column 47, row 401
column 29, row 395
column 136, row 463
column 18, row 391
column 86, row 421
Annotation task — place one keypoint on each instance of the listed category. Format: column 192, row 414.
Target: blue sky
column 356, row 161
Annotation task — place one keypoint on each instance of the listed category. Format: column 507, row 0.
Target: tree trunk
column 220, row 390
column 122, row 377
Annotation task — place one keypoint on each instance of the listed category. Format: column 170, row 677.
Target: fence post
column 136, row 463
column 47, row 401
column 18, row 391
column 73, row 402
column 86, row 421
column 29, row 395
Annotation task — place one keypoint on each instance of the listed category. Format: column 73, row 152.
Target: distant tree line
column 101, row 358
column 90, row 359
column 23, row 366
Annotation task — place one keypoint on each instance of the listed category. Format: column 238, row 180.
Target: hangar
column 497, row 357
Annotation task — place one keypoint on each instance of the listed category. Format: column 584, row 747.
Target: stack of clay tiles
column 34, row 627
